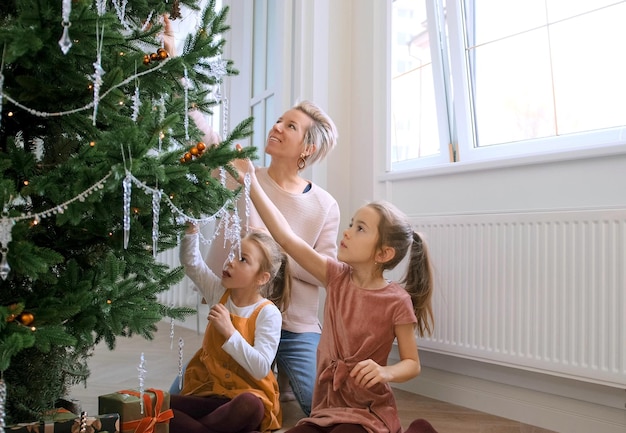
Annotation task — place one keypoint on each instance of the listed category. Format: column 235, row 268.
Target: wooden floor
column 112, row 371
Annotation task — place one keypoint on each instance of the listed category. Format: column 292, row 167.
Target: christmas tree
column 102, row 166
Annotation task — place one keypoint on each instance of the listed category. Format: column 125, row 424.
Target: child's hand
column 191, row 228
column 368, row 373
column 169, row 41
column 220, row 318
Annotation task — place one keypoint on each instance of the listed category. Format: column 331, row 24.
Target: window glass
column 561, row 9
column 272, row 28
column 513, row 98
column 258, row 132
column 264, row 72
column 414, row 128
column 533, row 78
column 589, row 68
column 490, row 20
column 259, row 47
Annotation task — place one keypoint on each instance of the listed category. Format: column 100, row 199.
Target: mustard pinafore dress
column 213, row 372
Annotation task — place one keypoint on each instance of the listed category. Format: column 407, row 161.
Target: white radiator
column 540, row 291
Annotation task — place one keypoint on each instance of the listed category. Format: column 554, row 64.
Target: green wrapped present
column 153, row 416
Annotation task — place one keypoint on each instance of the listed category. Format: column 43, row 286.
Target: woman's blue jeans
column 296, row 358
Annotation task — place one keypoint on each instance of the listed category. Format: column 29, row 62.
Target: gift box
column 153, row 416
column 67, row 422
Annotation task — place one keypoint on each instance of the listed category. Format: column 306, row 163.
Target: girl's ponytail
column 418, row 282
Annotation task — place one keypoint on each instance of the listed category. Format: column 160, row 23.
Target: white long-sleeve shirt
column 257, row 359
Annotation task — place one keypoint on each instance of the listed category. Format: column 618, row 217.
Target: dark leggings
column 417, row 426
column 192, row 414
column 308, row 427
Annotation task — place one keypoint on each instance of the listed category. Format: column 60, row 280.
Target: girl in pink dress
column 363, row 314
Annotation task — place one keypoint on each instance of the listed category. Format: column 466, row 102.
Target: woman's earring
column 301, row 162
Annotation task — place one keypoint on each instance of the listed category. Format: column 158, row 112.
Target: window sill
column 504, row 162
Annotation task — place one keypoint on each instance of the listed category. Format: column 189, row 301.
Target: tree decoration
column 83, row 422
column 217, row 69
column 26, row 318
column 194, row 152
column 120, row 10
column 175, row 11
column 142, row 380
column 6, row 225
column 181, row 344
column 65, row 42
column 3, row 398
column 146, row 24
column 161, row 110
column 136, row 101
column 160, row 54
column 127, row 186
column 156, row 210
column 225, row 115
column 247, row 182
column 98, row 72
column 232, row 235
column 186, row 87
column 171, row 333
column 101, row 7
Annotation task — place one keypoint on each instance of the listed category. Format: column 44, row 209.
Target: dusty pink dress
column 358, row 325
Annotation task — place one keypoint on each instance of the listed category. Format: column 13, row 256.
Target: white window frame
column 460, row 135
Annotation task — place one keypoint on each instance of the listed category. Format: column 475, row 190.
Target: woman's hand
column 242, row 166
column 219, row 316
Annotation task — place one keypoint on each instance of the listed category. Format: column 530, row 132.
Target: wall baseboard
column 538, row 408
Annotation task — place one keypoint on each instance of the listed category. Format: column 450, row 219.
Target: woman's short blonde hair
column 322, row 133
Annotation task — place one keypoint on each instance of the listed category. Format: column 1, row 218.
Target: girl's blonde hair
column 276, row 263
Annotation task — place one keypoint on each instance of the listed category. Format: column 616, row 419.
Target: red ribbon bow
column 147, row 424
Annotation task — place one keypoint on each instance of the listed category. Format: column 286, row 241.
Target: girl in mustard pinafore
column 229, row 385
